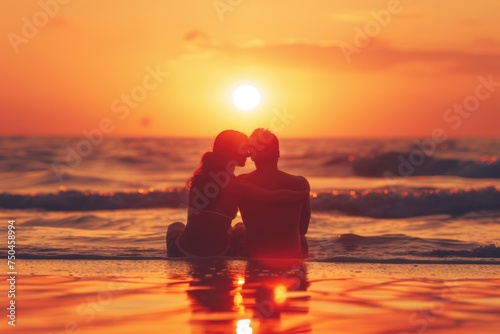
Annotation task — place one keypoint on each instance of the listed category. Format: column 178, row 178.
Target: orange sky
column 75, row 68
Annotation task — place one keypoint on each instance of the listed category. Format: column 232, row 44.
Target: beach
column 360, row 136
column 57, row 296
column 417, row 256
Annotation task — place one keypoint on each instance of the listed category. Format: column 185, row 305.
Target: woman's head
column 231, row 145
column 230, row 149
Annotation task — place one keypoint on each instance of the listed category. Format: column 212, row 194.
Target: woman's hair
column 226, row 145
column 209, row 163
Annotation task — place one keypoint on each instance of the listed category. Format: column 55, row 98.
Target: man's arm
column 305, row 215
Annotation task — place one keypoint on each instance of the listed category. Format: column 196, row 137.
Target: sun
column 246, row 97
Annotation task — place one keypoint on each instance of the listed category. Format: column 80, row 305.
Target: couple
column 274, row 205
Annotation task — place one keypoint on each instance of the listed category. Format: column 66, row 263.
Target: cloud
column 328, row 55
column 57, row 22
column 196, row 40
column 355, row 17
column 486, row 43
column 145, row 121
column 468, row 21
column 365, row 16
column 410, row 15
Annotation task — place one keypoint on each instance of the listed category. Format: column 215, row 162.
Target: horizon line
column 209, row 137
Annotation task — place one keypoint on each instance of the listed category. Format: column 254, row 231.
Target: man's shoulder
column 297, row 181
column 245, row 177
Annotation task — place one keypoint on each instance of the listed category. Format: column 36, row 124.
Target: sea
column 373, row 200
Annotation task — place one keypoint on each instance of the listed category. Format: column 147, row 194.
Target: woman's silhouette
column 214, row 194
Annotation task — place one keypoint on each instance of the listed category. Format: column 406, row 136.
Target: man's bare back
column 276, row 230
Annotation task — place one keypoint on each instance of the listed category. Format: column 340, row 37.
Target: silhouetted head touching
column 230, row 149
column 264, row 146
column 231, row 145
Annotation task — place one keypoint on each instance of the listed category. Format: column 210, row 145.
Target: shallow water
column 243, row 297
column 139, row 234
column 116, row 201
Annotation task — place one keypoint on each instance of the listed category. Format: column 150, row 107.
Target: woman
column 214, row 194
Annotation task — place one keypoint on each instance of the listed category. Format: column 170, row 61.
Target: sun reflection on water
column 280, row 294
column 243, row 327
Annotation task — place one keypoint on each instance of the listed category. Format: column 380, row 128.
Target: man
column 274, row 230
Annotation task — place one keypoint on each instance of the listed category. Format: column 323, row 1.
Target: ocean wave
column 377, row 203
column 409, row 246
column 396, row 260
column 353, row 248
column 408, row 202
column 76, row 256
column 488, row 251
column 334, row 259
column 416, row 163
column 73, row 200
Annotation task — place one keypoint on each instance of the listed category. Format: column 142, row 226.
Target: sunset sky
column 74, row 70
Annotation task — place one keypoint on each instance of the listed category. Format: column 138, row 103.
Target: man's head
column 264, row 146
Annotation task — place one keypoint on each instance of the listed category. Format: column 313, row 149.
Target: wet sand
column 246, row 297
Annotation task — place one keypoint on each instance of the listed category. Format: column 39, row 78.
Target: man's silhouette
column 274, row 230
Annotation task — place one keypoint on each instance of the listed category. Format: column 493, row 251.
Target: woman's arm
column 248, row 191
